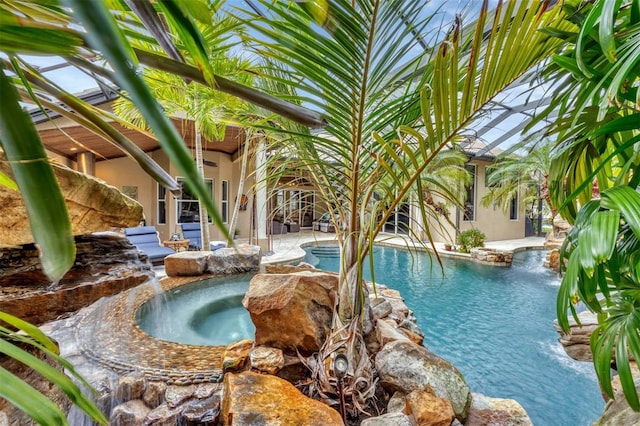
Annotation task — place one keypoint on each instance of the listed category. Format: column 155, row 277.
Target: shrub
column 469, row 239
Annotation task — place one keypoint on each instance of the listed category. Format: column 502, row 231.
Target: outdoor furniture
column 177, row 245
column 292, row 227
column 277, row 228
column 147, row 240
column 193, row 233
column 324, row 224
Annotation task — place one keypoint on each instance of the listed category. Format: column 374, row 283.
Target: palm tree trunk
column 204, row 221
column 243, row 174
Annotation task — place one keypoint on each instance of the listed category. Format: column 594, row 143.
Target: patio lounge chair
column 147, row 240
column 192, row 232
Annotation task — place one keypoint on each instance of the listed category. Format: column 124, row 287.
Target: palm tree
column 388, row 120
column 209, row 109
column 78, row 31
column 598, row 131
column 522, row 177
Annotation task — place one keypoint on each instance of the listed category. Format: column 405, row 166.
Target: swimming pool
column 496, row 325
column 205, row 312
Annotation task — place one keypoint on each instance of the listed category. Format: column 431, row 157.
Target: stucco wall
column 492, row 221
column 125, row 172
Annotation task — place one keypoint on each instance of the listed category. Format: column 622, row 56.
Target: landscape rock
column 495, row 411
column 186, row 263
column 617, row 412
column 397, row 403
column 154, row 394
column 105, row 264
column 234, row 260
column 576, row 342
column 389, row 419
column 205, row 390
column 93, row 206
column 405, row 366
column 131, row 386
column 388, row 333
column 410, row 325
column 258, row 399
column 292, row 312
column 131, row 413
column 34, row 379
column 201, row 411
column 236, row 355
column 176, row 395
column 429, row 410
column 163, row 415
column 266, row 359
column 381, row 309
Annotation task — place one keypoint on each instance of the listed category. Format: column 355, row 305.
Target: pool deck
column 288, row 248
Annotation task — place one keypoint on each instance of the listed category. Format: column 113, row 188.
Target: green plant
column 104, row 39
column 391, row 118
column 13, row 333
column 469, row 239
column 598, row 135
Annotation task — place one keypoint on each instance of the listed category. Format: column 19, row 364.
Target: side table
column 177, row 245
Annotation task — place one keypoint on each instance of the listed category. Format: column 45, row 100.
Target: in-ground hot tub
column 205, row 312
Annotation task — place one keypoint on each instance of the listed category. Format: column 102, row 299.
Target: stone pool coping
column 128, row 348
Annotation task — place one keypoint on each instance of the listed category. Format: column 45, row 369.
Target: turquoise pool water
column 205, row 312
column 496, row 325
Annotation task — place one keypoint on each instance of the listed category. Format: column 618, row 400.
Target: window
column 162, row 205
column 224, row 206
column 187, row 204
column 513, row 208
column 470, row 203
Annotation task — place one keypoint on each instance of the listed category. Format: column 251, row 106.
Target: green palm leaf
column 46, row 209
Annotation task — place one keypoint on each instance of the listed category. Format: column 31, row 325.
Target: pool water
column 495, row 325
column 205, row 312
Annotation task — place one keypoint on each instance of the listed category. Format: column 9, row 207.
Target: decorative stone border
column 489, row 256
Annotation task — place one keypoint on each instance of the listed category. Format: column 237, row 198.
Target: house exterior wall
column 124, row 172
column 492, row 221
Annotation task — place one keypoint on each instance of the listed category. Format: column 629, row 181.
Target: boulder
column 106, row 264
column 495, row 411
column 153, row 395
column 405, row 366
column 429, row 410
column 253, row 399
column 93, row 206
column 553, row 260
column 387, row 332
column 201, row 411
column 380, row 307
column 176, row 395
column 230, row 260
column 205, row 390
column 266, row 359
column 287, row 269
column 131, row 386
column 292, row 312
column 618, row 412
column 236, row 355
column 389, row 419
column 397, row 403
column 234, row 260
column 163, row 415
column 131, row 413
column 186, row 263
column 576, row 342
